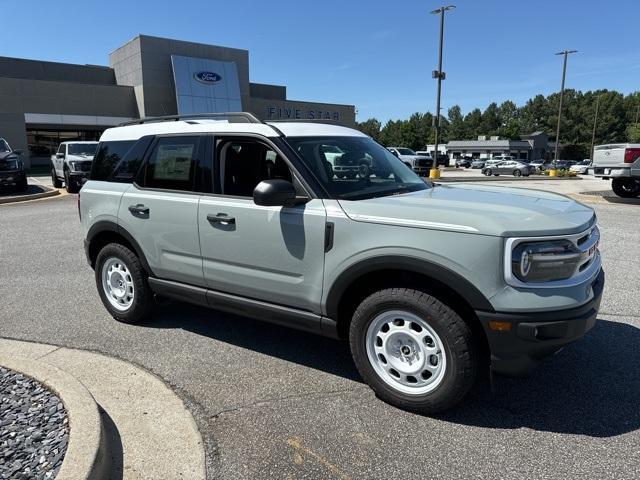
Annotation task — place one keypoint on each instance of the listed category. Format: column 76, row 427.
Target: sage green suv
column 429, row 283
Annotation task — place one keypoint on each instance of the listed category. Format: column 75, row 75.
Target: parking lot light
column 552, row 171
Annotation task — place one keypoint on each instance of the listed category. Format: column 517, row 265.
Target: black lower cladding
column 536, row 335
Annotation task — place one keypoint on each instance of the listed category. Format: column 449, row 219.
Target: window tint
column 107, row 157
column 243, row 164
column 127, row 169
column 61, row 148
column 172, row 164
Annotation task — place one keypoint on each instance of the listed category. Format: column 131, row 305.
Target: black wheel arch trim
column 108, row 226
column 443, row 275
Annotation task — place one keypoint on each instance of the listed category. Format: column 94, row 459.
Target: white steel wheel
column 406, row 352
column 117, row 284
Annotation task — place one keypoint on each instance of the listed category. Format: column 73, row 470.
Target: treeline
column 617, row 122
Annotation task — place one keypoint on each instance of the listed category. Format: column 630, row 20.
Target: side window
column 127, row 169
column 242, row 164
column 172, row 164
column 108, row 155
column 61, row 148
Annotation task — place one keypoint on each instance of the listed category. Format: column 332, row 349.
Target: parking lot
column 277, row 403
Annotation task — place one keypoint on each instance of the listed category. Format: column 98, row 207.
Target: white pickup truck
column 619, row 162
column 71, row 163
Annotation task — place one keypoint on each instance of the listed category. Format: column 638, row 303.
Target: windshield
column 406, row 151
column 88, row 149
column 364, row 169
column 4, row 147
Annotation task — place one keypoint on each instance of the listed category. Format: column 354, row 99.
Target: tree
column 633, row 133
column 370, row 127
column 456, row 128
column 490, row 121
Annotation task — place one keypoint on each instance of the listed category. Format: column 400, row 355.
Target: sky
column 376, row 55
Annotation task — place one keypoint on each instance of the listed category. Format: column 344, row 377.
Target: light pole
column 564, row 73
column 440, row 75
column 595, row 123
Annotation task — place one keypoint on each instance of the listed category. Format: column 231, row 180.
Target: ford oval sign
column 207, row 77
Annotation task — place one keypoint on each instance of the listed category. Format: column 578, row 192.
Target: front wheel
column 517, row 173
column 71, row 187
column 54, row 179
column 122, row 284
column 626, row 187
column 488, row 172
column 414, row 351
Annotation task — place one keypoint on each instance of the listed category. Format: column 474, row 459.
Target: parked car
column 619, row 162
column 464, row 162
column 539, row 165
column 12, row 172
column 186, row 209
column 443, row 158
column 71, row 164
column 581, row 167
column 421, row 164
column 560, row 164
column 510, row 167
column 478, row 163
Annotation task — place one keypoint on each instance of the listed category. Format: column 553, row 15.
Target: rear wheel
column 122, row 284
column 413, row 350
column 626, row 187
column 488, row 172
column 517, row 173
column 54, row 179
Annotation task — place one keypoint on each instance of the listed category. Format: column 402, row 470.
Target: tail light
column 79, row 213
column 631, row 154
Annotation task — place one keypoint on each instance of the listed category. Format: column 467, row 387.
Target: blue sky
column 377, row 55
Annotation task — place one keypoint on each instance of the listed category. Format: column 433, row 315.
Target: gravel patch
column 34, row 429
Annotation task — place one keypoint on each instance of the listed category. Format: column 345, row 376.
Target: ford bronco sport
column 429, row 283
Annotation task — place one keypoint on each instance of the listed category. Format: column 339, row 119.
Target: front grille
column 83, row 166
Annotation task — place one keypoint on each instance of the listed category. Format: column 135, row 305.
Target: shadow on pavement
column 591, row 388
column 31, row 190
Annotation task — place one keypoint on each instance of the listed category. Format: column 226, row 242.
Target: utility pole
column 440, row 75
column 564, row 73
column 595, row 123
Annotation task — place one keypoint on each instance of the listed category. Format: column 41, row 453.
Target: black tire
column 517, row 173
column 462, row 354
column 626, row 187
column 22, row 185
column 488, row 172
column 142, row 303
column 364, row 171
column 69, row 185
column 54, row 179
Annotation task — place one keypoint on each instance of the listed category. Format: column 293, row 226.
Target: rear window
column 107, row 157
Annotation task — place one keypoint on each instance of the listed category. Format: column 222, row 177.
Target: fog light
column 499, row 326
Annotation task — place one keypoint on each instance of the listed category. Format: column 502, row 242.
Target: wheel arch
column 366, row 276
column 103, row 232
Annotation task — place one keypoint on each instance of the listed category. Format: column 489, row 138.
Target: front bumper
column 12, row 177
column 535, row 335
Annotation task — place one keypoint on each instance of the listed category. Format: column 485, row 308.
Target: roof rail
column 232, row 117
column 328, row 121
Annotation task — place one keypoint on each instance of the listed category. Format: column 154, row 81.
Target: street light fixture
column 564, row 72
column 440, row 75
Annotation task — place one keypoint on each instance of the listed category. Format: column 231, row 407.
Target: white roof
column 83, row 142
column 291, row 129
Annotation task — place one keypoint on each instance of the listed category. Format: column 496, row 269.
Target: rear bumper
column 535, row 335
column 611, row 172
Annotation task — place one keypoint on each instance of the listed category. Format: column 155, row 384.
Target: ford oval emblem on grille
column 207, row 77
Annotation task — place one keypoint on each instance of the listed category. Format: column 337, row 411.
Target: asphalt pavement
column 276, row 403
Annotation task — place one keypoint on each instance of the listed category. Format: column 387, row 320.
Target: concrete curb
column 148, row 432
column 85, row 456
column 34, row 196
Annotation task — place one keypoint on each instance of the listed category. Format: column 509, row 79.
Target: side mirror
column 18, row 152
column 59, row 155
column 276, row 193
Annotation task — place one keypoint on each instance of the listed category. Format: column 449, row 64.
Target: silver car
column 247, row 217
column 510, row 167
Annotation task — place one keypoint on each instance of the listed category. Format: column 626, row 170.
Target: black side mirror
column 59, row 155
column 276, row 193
column 18, row 152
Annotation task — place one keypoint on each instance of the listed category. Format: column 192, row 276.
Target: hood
column 477, row 209
column 79, row 158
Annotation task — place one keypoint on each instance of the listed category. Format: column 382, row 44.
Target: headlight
column 73, row 166
column 545, row 261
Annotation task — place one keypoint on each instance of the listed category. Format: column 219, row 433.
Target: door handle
column 139, row 209
column 221, row 218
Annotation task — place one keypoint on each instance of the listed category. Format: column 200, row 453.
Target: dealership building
column 45, row 103
column 534, row 146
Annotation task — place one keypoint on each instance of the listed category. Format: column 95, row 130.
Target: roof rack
column 232, row 117
column 328, row 121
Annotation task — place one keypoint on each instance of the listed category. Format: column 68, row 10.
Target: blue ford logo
column 207, row 77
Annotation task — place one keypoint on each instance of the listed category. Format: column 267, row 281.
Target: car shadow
column 591, row 388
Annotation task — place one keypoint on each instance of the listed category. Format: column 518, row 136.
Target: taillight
column 631, row 154
column 79, row 214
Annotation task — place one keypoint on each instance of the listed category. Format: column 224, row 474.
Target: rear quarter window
column 108, row 156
